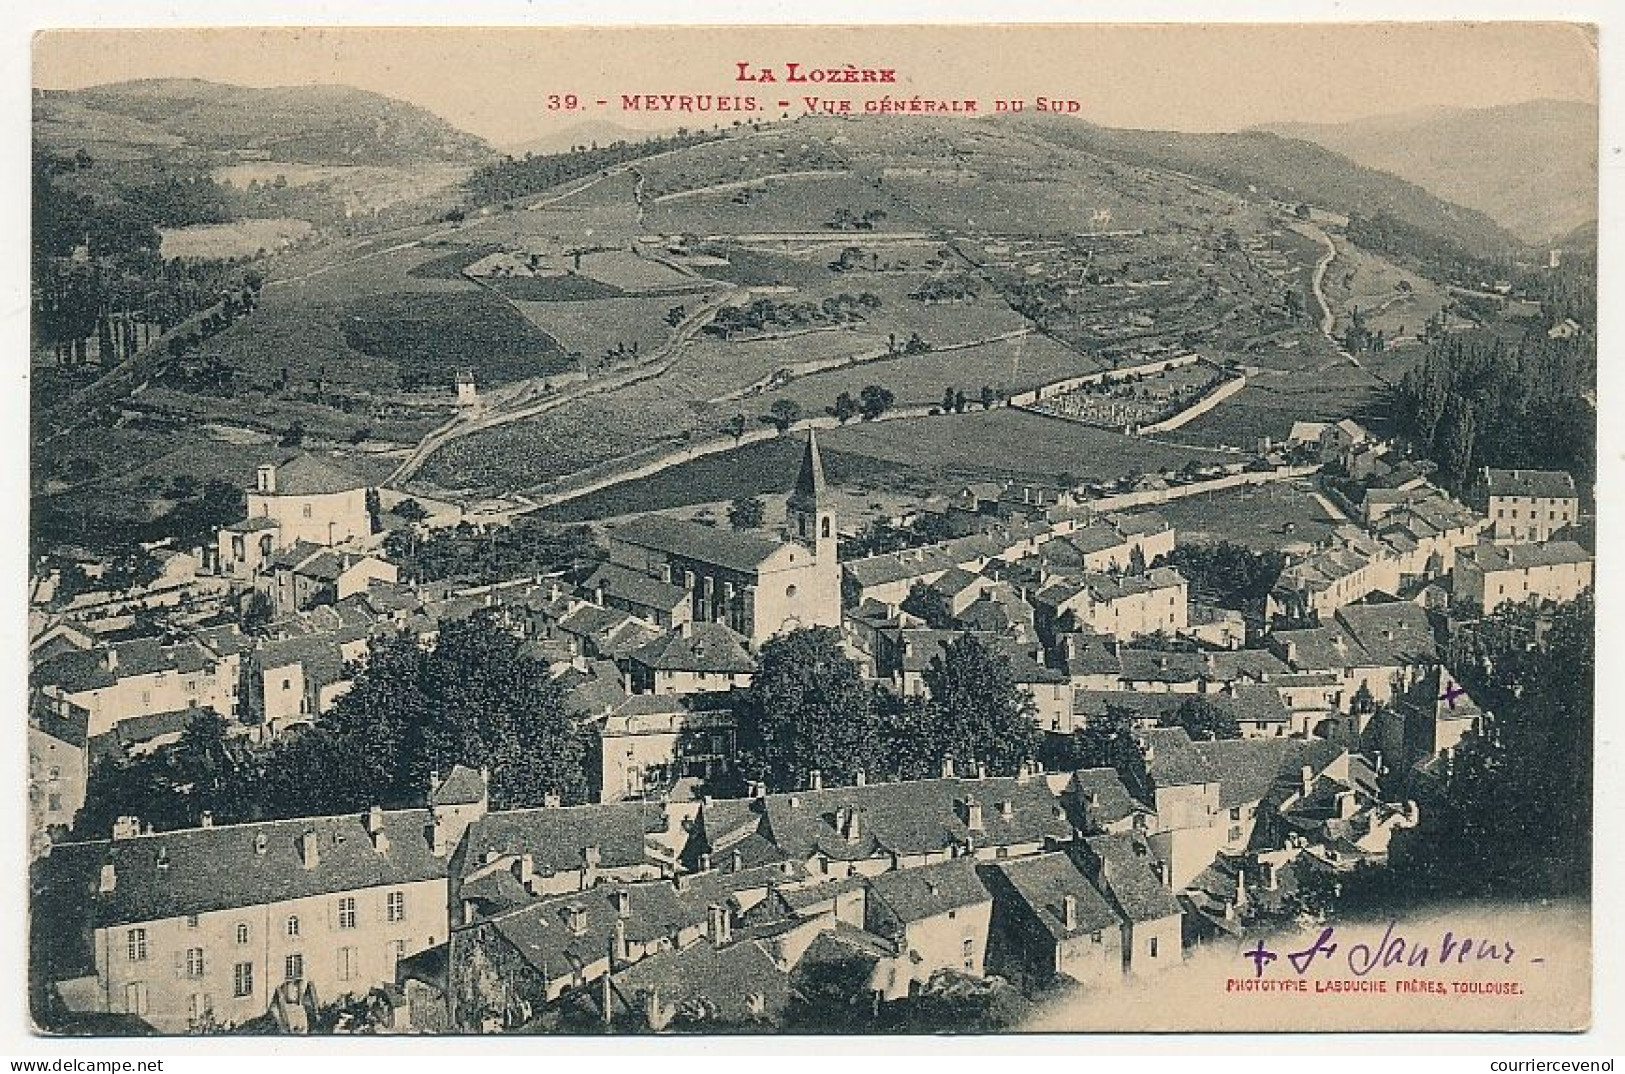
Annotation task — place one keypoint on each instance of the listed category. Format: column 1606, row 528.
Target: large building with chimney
column 756, row 584
column 303, row 499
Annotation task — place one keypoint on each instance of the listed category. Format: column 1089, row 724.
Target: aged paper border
column 1607, row 1034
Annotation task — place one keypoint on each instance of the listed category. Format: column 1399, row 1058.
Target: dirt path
column 1328, row 319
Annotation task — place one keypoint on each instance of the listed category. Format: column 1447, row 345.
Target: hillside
column 299, row 124
column 1481, row 158
column 1290, row 170
column 599, row 132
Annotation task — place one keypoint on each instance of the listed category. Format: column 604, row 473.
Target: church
column 756, row 584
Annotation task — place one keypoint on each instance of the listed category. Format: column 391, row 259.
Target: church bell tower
column 810, row 518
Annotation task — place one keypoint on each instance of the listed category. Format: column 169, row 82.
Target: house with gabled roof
column 1050, row 919
column 1126, row 872
column 936, row 916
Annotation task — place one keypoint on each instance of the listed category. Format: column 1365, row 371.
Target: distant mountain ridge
column 319, row 124
column 1531, row 167
column 1287, row 169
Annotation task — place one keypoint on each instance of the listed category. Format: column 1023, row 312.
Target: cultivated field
column 1262, row 517
column 241, row 238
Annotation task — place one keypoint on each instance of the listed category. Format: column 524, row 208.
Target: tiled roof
column 252, row 524
column 1102, row 791
column 692, row 540
column 1248, row 767
column 74, row 670
column 710, row 647
column 222, row 868
column 1548, row 484
column 1508, row 557
column 1043, row 882
column 463, row 786
column 318, row 658
column 725, row 979
column 307, row 475
column 917, row 817
column 635, row 587
column 1128, row 879
column 1172, row 758
column 928, row 891
column 1391, row 635
column 555, row 837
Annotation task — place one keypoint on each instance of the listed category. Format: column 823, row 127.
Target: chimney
column 719, row 928
column 375, row 829
column 265, row 478
column 623, row 903
column 736, row 861
column 973, row 813
column 551, row 800
column 617, row 951
column 1007, row 809
column 758, row 789
column 163, row 859
column 1346, row 804
column 860, row 779
column 126, row 827
column 1069, row 912
column 109, row 878
column 705, row 863
column 1272, row 875
column 526, row 870
column 259, row 843
column 948, row 767
column 815, row 780
column 1161, row 870
column 589, row 866
column 851, row 827
column 576, row 919
column 309, row 855
column 1306, row 780
column 207, row 819
column 110, row 658
column 981, row 769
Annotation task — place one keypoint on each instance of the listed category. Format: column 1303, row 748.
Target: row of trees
column 518, row 177
column 1481, row 401
column 481, row 556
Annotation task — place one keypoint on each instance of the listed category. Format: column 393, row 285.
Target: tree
column 807, row 709
column 981, row 714
column 947, row 400
column 410, row 510
column 783, row 414
column 845, row 408
column 1202, row 720
column 987, row 397
column 930, row 605
column 735, row 427
column 746, row 513
column 256, row 611
column 874, row 401
column 294, row 436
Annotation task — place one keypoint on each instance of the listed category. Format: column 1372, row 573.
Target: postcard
column 782, row 530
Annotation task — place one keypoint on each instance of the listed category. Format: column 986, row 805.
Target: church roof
column 698, row 542
column 809, row 485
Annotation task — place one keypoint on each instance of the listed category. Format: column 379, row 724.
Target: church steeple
column 808, row 509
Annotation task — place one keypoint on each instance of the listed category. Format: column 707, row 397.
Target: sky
column 495, row 82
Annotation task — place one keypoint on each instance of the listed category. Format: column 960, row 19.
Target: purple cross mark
column 1451, row 692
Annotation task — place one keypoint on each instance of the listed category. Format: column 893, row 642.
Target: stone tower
column 808, row 513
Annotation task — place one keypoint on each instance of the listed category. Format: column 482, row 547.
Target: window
column 191, row 921
column 293, row 925
column 53, row 802
column 396, row 906
column 306, row 511
column 194, row 962
column 287, row 684
column 1235, row 833
column 242, row 979
column 1235, row 813
column 346, row 963
column 136, row 940
column 967, row 950
column 347, row 912
column 400, row 948
column 202, row 1006
column 293, row 967
column 790, row 591
column 242, row 932
column 823, row 530
column 1095, row 937
column 135, row 997
column 1151, row 947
